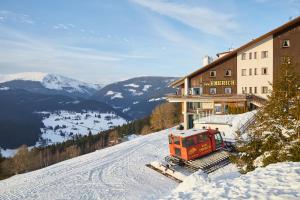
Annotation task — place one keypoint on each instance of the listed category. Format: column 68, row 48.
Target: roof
column 224, row 52
column 187, row 133
column 235, row 51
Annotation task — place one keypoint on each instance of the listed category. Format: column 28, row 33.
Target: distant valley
column 39, row 109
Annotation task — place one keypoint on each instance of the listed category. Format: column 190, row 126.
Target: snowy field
column 276, row 181
column 117, row 172
column 63, row 125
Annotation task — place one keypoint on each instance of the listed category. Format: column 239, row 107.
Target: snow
column 156, row 99
column 62, row 125
column 227, row 124
column 7, row 153
column 132, row 85
column 258, row 162
column 114, row 95
column 110, row 93
column 4, row 88
column 51, row 81
column 132, row 136
column 187, row 133
column 276, row 181
column 126, row 109
column 117, row 172
column 135, row 93
column 135, row 102
column 117, row 95
column 146, row 87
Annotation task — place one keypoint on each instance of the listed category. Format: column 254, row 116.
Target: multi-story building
column 239, row 78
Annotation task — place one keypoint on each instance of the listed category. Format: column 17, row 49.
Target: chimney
column 206, row 60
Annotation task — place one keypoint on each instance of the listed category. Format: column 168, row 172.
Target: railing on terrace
column 257, row 99
column 174, row 95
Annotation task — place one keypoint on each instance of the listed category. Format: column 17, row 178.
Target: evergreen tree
column 275, row 135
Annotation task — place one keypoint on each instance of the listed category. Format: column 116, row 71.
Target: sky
column 104, row 41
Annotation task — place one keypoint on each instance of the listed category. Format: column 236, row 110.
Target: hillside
column 46, row 108
column 136, row 97
column 119, row 172
column 22, row 121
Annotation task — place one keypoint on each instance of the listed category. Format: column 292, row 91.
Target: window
column 194, row 105
column 212, row 73
column 227, row 72
column 176, row 140
column 189, row 142
column 250, row 90
column 244, row 89
column 244, row 72
column 250, row 56
column 213, row 90
column 264, row 54
column 250, row 72
column 227, row 90
column 177, row 152
column 219, row 140
column 202, row 138
column 255, row 90
column 218, row 108
column 286, row 43
column 264, row 90
column 197, row 91
column 255, row 55
column 264, row 71
column 255, row 71
column 243, row 56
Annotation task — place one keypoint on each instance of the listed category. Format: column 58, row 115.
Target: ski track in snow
column 117, row 172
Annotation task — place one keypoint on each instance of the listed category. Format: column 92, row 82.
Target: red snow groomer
column 192, row 150
column 192, row 144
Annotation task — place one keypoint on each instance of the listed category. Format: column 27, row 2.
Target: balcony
column 176, row 97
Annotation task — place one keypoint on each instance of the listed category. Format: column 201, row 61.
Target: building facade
column 238, row 79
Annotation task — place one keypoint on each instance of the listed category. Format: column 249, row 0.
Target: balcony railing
column 208, row 96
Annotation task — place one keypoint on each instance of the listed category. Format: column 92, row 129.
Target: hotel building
column 239, row 78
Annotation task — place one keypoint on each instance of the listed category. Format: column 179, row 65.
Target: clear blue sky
column 104, row 41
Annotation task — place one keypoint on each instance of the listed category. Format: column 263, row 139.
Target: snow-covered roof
column 187, row 133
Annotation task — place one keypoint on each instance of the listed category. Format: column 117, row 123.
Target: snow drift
column 276, row 181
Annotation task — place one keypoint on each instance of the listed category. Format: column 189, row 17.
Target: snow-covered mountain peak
column 52, row 81
column 57, row 82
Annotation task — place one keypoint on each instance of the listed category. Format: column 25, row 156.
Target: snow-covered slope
column 136, row 97
column 276, row 181
column 63, row 125
column 51, row 82
column 117, row 172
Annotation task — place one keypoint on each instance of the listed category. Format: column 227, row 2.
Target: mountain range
column 28, row 101
column 44, row 83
